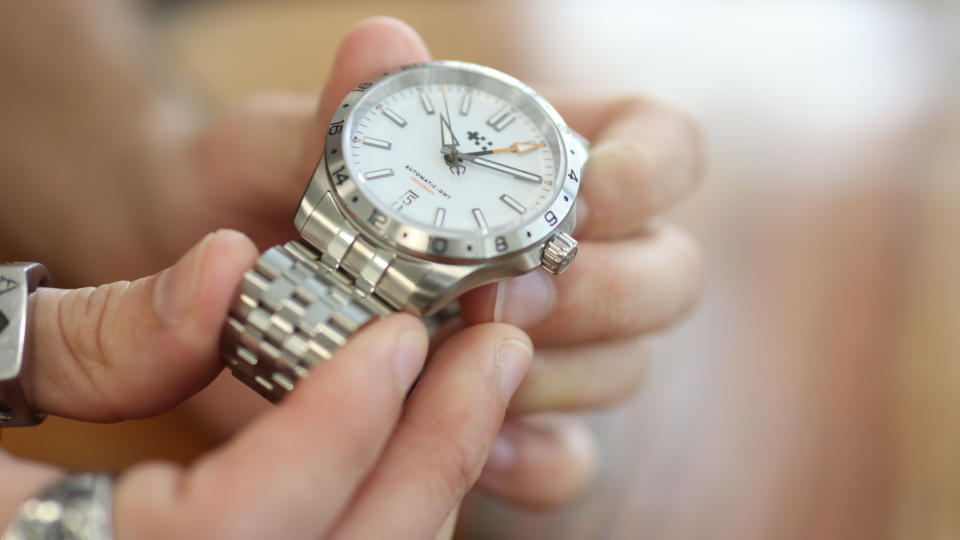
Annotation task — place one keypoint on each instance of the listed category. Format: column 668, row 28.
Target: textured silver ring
column 78, row 507
column 17, row 281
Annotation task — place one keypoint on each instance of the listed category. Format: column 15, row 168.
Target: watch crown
column 559, row 252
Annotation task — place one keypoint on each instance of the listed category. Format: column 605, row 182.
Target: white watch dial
column 504, row 170
column 452, row 160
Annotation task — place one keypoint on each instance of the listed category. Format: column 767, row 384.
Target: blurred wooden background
column 816, row 392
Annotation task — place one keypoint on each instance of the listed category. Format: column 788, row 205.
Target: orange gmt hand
column 518, row 147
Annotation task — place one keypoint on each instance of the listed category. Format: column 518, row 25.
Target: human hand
column 246, row 170
column 630, row 278
column 343, row 456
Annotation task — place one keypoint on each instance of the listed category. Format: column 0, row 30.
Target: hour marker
column 512, row 203
column 379, row 173
column 426, row 102
column 405, row 200
column 392, row 114
column 370, row 141
column 481, row 221
column 466, row 102
column 501, row 119
column 438, row 217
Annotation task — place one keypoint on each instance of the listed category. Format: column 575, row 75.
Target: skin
column 245, row 169
column 328, row 473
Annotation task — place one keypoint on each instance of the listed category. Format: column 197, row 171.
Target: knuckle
column 91, row 312
column 621, row 375
column 660, row 282
column 462, row 467
column 85, row 318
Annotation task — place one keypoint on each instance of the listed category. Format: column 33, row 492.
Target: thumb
column 133, row 349
column 372, row 46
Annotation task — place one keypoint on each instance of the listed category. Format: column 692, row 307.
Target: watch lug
column 318, row 186
column 437, row 284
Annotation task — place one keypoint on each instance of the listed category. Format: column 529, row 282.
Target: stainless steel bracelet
column 17, row 281
column 292, row 312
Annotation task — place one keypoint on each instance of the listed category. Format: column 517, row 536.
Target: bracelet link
column 293, row 311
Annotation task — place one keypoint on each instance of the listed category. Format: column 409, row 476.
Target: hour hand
column 448, row 141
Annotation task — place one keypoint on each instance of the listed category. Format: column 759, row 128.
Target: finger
column 646, row 155
column 442, row 441
column 583, row 377
column 540, row 463
column 223, row 408
column 612, row 290
column 372, row 46
column 128, row 350
column 573, row 378
column 293, row 471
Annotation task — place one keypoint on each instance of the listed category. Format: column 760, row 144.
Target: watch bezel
column 373, row 221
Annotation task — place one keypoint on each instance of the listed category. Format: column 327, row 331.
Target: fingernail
column 411, row 349
column 513, row 358
column 524, row 300
column 502, row 456
column 174, row 291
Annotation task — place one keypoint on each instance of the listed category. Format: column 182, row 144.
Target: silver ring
column 17, row 281
column 78, row 507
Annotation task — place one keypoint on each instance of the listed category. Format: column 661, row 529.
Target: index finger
column 291, row 473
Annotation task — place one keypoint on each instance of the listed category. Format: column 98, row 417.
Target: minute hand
column 519, row 174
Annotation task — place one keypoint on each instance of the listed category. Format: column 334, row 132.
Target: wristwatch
column 436, row 178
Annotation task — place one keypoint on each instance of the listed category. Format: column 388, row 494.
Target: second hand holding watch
column 389, row 224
